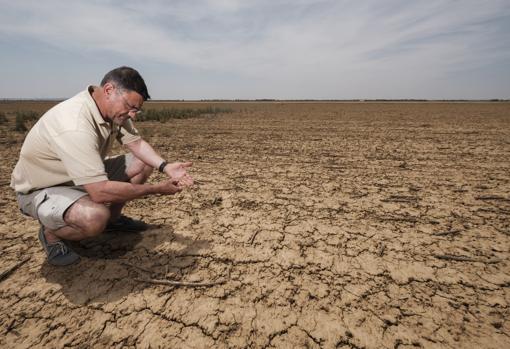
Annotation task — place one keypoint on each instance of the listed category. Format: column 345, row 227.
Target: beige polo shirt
column 68, row 144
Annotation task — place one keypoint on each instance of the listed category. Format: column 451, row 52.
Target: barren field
column 312, row 225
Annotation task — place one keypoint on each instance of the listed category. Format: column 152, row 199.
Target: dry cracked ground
column 313, row 225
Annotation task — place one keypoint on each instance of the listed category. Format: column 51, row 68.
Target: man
column 64, row 179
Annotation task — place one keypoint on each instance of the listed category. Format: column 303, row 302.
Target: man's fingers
column 170, row 187
column 183, row 184
column 186, row 181
column 187, row 164
column 178, row 188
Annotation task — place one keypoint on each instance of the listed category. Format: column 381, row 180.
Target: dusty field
column 332, row 226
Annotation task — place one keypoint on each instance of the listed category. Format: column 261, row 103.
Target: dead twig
column 449, row 232
column 400, row 198
column 10, row 270
column 253, row 236
column 180, row 283
column 492, row 197
column 170, row 282
column 466, row 258
column 333, row 167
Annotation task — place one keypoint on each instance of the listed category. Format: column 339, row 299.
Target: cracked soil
column 328, row 225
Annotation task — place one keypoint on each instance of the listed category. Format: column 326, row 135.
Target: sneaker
column 58, row 253
column 124, row 223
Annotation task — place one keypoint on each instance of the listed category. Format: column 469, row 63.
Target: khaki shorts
column 49, row 205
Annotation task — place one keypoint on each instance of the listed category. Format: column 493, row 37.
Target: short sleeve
column 79, row 152
column 128, row 133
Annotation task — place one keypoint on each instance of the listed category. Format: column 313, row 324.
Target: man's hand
column 178, row 172
column 168, row 187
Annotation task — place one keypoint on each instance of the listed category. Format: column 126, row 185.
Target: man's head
column 124, row 91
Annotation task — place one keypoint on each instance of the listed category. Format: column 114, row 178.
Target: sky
column 239, row 49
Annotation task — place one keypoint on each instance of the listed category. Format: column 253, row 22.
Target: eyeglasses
column 132, row 109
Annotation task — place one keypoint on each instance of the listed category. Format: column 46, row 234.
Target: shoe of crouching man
column 58, row 253
column 127, row 224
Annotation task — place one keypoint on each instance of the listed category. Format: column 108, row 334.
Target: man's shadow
column 110, row 263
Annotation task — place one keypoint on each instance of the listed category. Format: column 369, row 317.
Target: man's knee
column 90, row 217
column 96, row 221
column 138, row 172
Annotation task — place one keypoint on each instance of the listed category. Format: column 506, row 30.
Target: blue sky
column 284, row 49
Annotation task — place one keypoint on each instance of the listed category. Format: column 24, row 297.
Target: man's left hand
column 178, row 172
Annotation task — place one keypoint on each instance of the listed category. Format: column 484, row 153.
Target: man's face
column 124, row 104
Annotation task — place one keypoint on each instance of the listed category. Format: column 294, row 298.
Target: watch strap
column 161, row 167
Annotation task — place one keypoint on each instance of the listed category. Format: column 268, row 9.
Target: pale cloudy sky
column 288, row 49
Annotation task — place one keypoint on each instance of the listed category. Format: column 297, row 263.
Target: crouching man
column 65, row 180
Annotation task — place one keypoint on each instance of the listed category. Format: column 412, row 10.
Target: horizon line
column 285, row 100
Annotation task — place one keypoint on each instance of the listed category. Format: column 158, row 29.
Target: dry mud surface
column 347, row 225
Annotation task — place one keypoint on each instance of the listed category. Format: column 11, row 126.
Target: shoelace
column 60, row 246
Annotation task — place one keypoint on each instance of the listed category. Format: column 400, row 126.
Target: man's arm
column 112, row 191
column 144, row 151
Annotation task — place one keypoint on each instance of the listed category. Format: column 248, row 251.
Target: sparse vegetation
column 163, row 115
column 19, row 125
column 22, row 117
column 28, row 115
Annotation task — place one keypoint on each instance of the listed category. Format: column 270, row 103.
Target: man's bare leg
column 85, row 218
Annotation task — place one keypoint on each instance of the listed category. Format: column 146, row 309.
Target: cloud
column 320, row 43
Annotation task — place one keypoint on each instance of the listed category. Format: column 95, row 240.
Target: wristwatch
column 162, row 166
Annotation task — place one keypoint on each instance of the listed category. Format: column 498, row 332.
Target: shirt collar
column 93, row 106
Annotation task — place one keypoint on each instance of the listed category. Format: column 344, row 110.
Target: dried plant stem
column 466, row 259
column 9, row 271
column 180, row 283
column 170, row 282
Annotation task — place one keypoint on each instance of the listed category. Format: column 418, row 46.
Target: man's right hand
column 169, row 187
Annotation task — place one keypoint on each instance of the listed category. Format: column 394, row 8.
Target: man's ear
column 108, row 89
